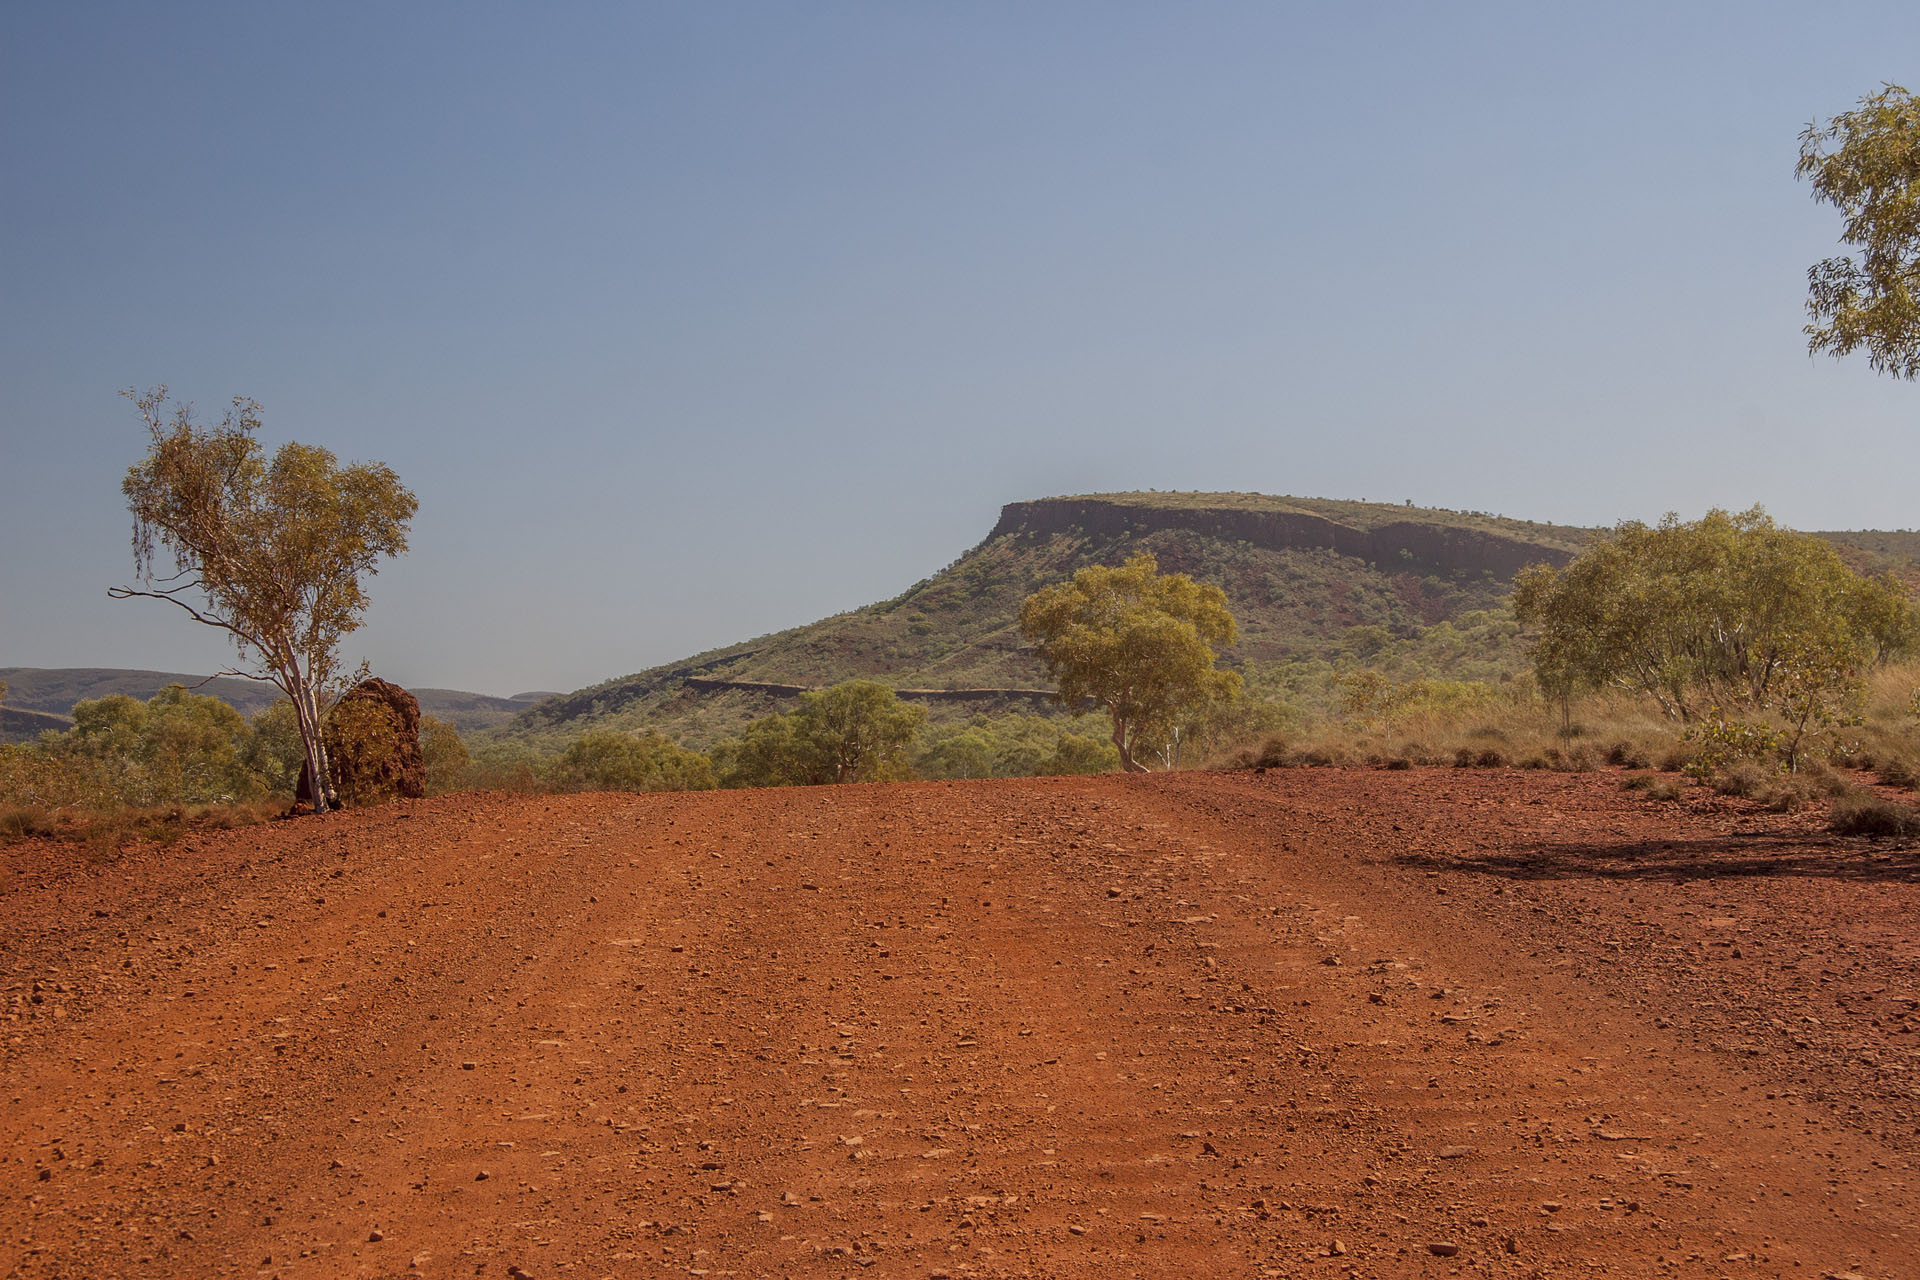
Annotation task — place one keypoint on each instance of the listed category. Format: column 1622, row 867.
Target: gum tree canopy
column 1136, row 641
column 1866, row 163
column 1724, row 613
column 271, row 552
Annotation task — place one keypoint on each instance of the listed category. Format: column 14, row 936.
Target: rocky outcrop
column 373, row 746
column 1424, row 547
column 710, row 684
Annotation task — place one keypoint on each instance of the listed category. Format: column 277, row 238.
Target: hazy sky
column 688, row 323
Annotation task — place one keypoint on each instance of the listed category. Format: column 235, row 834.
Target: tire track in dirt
column 1195, row 1024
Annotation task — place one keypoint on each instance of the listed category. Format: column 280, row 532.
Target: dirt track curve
column 1316, row 1023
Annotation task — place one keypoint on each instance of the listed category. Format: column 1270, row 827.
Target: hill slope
column 1298, row 574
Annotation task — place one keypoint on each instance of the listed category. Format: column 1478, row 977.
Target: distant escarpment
column 1299, row 573
column 1419, row 545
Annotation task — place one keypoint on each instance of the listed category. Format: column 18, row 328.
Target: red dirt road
column 1317, row 1023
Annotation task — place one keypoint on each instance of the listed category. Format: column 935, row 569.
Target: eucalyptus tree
column 1726, row 613
column 272, row 551
column 1138, row 643
column 1866, row 163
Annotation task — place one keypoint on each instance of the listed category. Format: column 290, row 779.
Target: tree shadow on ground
column 1718, row 857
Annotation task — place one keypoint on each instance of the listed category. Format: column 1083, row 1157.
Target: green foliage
column 1866, row 163
column 1720, row 744
column 1371, row 700
column 1730, row 611
column 274, row 752
column 1139, row 644
column 771, row 753
column 175, row 748
column 970, row 753
column 506, row 766
column 444, row 756
column 1077, row 753
column 607, row 760
column 858, row 731
column 39, row 776
column 272, row 552
column 1015, row 746
column 1818, row 690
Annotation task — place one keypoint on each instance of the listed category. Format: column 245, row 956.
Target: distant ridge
column 1299, row 573
column 20, row 725
column 1371, row 532
column 48, row 693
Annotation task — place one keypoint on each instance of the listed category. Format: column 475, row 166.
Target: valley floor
column 1316, row 1023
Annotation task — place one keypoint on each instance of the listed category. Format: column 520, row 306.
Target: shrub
column 22, row 824
column 1742, row 778
column 857, row 731
column 1899, row 771
column 1861, row 813
column 1824, row 779
column 1077, row 753
column 608, row 760
column 1577, row 760
column 1626, row 755
column 506, row 766
column 1678, row 758
column 1790, row 794
column 1718, row 744
column 443, row 755
column 1492, row 758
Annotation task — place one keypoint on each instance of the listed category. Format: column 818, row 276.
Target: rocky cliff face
column 1406, row 545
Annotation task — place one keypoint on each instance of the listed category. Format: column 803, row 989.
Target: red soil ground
column 1316, row 1023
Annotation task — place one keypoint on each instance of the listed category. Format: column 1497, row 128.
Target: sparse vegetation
column 1862, row 813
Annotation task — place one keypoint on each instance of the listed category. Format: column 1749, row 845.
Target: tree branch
column 129, row 593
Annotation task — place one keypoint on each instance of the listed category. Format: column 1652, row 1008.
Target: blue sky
column 687, row 323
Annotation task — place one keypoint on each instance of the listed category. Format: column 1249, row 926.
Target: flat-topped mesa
column 1413, row 544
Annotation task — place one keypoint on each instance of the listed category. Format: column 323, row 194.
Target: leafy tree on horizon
column 176, row 747
column 271, row 552
column 1137, row 642
column 1726, row 613
column 1866, row 163
column 611, row 760
column 857, row 731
